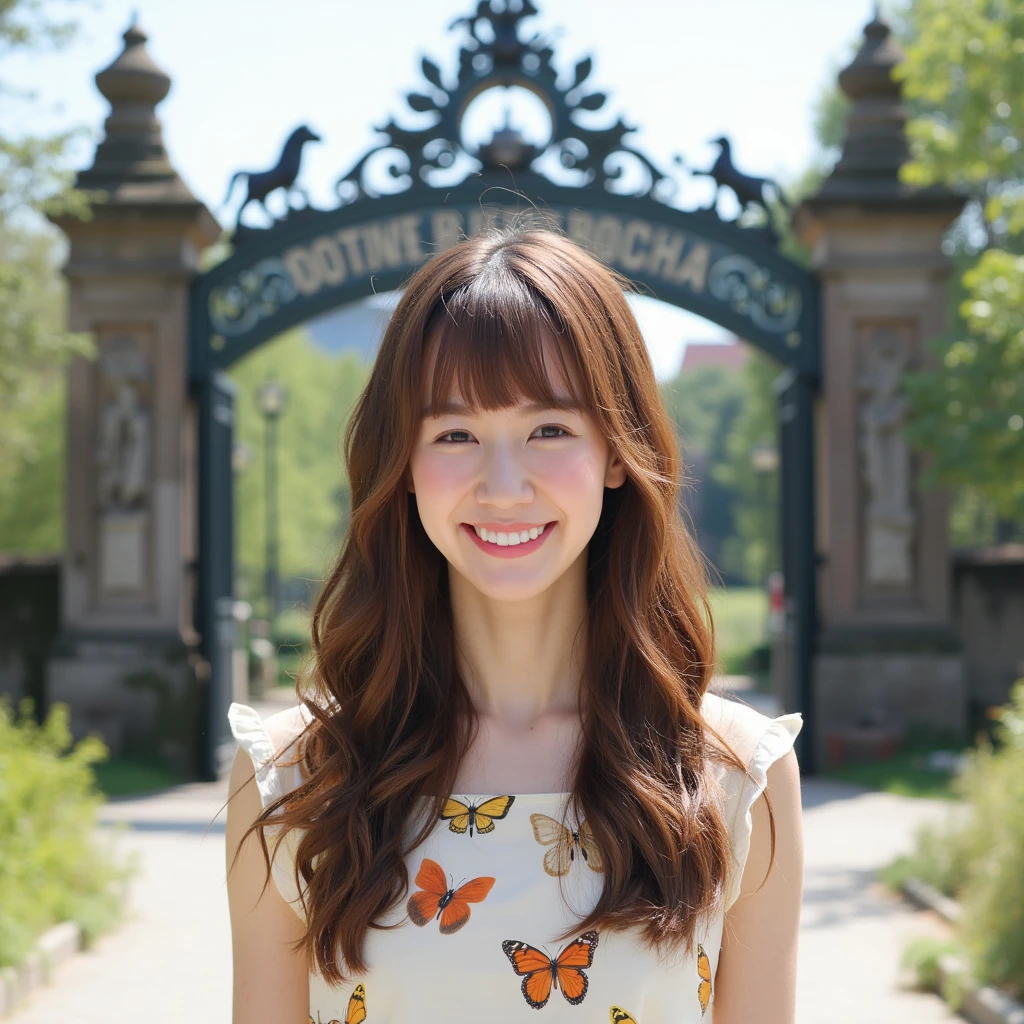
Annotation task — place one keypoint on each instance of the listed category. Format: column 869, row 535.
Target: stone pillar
column 122, row 661
column 887, row 651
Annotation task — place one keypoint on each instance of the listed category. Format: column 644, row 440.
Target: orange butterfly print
column 618, row 1015
column 704, row 970
column 438, row 901
column 541, row 972
column 356, row 1012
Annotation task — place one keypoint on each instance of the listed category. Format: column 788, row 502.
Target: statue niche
column 886, row 463
column 123, row 433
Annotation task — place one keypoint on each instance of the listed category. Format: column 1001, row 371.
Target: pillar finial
column 132, row 156
column 875, row 145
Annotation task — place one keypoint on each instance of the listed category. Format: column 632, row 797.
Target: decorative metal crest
column 497, row 52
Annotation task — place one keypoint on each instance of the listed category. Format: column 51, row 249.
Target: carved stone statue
column 122, row 455
column 887, row 474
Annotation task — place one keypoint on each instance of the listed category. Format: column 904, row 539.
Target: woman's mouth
column 510, row 544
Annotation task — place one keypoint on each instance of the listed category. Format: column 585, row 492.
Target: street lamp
column 271, row 398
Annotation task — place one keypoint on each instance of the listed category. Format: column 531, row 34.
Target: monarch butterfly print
column 482, row 817
column 704, row 970
column 565, row 843
column 436, row 900
column 541, row 972
column 356, row 1012
column 618, row 1015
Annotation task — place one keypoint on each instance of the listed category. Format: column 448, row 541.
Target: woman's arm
column 756, row 975
column 271, row 984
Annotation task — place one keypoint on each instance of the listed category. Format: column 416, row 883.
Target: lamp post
column 271, row 398
column 764, row 459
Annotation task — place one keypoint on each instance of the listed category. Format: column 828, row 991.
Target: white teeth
column 508, row 539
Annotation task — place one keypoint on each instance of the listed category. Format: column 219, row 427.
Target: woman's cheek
column 576, row 475
column 439, row 479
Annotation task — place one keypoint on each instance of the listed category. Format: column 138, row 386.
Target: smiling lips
column 509, row 543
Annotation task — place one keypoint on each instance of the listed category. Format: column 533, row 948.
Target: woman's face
column 531, row 479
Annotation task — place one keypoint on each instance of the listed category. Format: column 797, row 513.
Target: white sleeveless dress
column 496, row 880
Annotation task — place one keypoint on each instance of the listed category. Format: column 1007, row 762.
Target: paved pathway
column 172, row 961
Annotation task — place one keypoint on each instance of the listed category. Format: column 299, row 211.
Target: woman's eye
column 562, row 432
column 451, row 433
column 460, row 436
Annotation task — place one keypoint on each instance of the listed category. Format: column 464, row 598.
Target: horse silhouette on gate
column 748, row 188
column 261, row 183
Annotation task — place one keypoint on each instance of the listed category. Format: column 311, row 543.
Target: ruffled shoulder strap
column 764, row 740
column 273, row 781
column 247, row 727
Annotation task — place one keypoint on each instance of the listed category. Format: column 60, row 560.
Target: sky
column 244, row 74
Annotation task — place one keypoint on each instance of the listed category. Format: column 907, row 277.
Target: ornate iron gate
column 421, row 189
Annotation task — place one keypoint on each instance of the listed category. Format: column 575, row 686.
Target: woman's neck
column 522, row 660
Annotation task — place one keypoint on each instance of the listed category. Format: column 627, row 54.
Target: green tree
column 752, row 551
column 965, row 73
column 704, row 404
column 34, row 343
column 312, row 486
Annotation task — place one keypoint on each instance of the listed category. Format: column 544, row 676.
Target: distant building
column 731, row 355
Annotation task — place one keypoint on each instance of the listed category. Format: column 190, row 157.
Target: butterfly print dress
column 500, row 876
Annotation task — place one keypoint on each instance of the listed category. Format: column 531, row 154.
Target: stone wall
column 988, row 600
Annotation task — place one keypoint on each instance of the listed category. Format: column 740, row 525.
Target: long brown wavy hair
column 391, row 715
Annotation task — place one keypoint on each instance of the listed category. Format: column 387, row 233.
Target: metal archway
column 312, row 260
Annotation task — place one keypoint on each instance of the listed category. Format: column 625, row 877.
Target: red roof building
column 730, row 356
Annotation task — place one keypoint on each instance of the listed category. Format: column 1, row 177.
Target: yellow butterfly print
column 620, row 1016
column 479, row 816
column 704, row 970
column 564, row 843
column 356, row 1012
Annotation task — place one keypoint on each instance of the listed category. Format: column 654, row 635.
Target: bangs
column 497, row 342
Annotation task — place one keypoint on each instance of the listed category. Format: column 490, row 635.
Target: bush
column 940, row 858
column 922, row 955
column 993, row 891
column 978, row 858
column 52, row 866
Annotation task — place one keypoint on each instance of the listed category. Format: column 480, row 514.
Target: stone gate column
column 887, row 652
column 123, row 658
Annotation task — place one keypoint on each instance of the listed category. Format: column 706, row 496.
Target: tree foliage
column 753, row 549
column 34, row 343
column 965, row 73
column 312, row 486
column 705, row 403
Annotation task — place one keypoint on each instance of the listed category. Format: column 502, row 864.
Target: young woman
column 506, row 790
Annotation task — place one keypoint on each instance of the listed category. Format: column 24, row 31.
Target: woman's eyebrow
column 565, row 403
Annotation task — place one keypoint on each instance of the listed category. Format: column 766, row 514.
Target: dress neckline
column 475, row 798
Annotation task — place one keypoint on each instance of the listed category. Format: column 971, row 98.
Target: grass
column 129, row 776
column 907, row 772
column 739, row 615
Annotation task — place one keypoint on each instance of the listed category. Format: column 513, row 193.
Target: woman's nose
column 504, row 479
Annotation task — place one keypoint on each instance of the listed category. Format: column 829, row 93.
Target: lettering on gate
column 657, row 253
